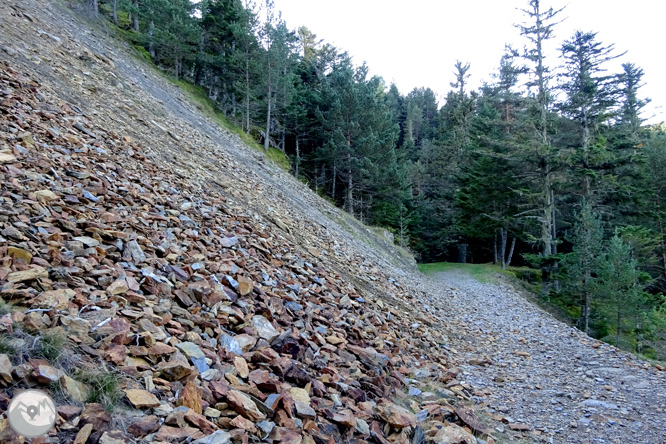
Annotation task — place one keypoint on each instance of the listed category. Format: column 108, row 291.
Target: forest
column 549, row 166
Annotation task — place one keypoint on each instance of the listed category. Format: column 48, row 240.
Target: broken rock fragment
column 142, row 399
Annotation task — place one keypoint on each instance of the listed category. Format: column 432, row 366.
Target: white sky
column 416, row 43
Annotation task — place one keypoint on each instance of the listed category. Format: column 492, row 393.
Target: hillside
column 155, row 266
column 166, row 282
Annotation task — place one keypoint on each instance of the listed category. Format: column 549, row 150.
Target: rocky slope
column 166, row 283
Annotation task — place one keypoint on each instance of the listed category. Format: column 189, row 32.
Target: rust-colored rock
column 83, row 434
column 142, row 399
column 143, row 426
column 245, row 285
column 241, row 366
column 191, row 397
column 244, row 405
column 96, row 415
column 242, row 423
column 395, row 415
column 200, row 422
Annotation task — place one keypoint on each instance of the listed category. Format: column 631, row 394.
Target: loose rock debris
column 217, row 328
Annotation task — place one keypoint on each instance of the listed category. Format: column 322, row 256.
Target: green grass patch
column 5, row 307
column 104, row 387
column 201, row 100
column 278, row 157
column 483, row 273
column 52, row 345
column 208, row 107
column 7, row 347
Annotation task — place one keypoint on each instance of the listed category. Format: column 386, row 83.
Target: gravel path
column 562, row 384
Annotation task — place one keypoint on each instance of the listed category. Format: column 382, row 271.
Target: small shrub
column 104, row 387
column 5, row 307
column 7, row 347
column 52, row 345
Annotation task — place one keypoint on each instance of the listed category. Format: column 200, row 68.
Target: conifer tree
column 582, row 263
column 487, row 198
column 631, row 105
column 622, row 299
column 541, row 153
column 360, row 132
column 591, row 96
column 279, row 43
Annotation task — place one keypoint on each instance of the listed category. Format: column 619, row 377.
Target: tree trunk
column 547, row 227
column 335, row 175
column 403, row 227
column 662, row 241
column 282, row 141
column 247, row 92
column 350, row 180
column 587, row 183
column 618, row 328
column 547, row 224
column 135, row 16
column 585, row 309
column 198, row 75
column 350, row 192
column 553, row 222
column 495, row 256
column 541, row 34
column 503, row 247
column 151, row 42
column 316, row 180
column 298, row 159
column 462, row 253
column 115, row 12
column 268, row 116
column 513, row 244
column 94, row 7
column 556, row 282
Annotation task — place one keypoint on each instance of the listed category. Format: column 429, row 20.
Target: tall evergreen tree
column 541, row 153
column 622, row 299
column 591, row 96
column 359, row 128
column 489, row 188
column 630, row 115
column 279, row 43
column 582, row 263
column 172, row 33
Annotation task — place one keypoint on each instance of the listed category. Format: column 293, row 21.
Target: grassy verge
column 198, row 96
column 208, row 107
column 483, row 273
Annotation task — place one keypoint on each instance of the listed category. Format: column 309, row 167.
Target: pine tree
column 591, row 96
column 582, row 263
column 538, row 30
column 654, row 188
column 487, row 200
column 621, row 297
column 279, row 43
column 172, row 33
column 630, row 82
column 360, row 132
